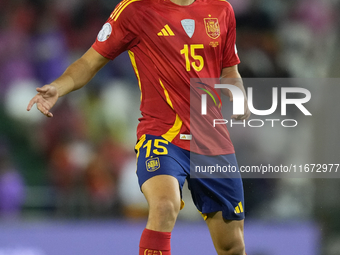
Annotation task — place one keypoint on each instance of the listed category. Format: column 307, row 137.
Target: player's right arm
column 117, row 35
column 75, row 77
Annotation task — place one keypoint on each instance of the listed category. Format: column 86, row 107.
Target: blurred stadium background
column 68, row 184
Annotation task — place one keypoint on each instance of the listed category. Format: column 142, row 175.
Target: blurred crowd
column 81, row 162
column 79, row 154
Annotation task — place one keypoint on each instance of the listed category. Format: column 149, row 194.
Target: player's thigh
column 163, row 196
column 162, row 191
column 161, row 172
column 227, row 235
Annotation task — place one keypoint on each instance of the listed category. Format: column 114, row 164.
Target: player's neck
column 183, row 2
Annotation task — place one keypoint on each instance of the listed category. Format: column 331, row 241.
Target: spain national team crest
column 212, row 27
column 152, row 164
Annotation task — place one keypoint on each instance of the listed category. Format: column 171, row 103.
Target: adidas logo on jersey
column 239, row 208
column 166, row 31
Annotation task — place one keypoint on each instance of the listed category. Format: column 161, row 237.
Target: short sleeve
column 117, row 34
column 230, row 57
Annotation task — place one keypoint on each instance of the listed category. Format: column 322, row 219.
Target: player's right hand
column 45, row 99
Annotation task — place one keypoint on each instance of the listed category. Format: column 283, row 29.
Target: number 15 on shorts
column 156, row 147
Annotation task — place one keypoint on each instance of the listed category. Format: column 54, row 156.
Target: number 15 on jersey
column 189, row 51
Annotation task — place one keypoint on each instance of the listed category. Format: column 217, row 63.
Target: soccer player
column 170, row 42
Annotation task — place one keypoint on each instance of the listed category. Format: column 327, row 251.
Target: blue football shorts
column 157, row 156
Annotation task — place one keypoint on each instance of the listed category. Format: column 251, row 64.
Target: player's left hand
column 246, row 114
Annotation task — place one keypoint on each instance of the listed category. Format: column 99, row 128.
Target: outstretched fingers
column 41, row 105
column 33, row 101
column 44, row 109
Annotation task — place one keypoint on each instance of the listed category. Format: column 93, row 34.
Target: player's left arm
column 230, row 75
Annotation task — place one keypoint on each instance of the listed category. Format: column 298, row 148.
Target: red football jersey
column 168, row 45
